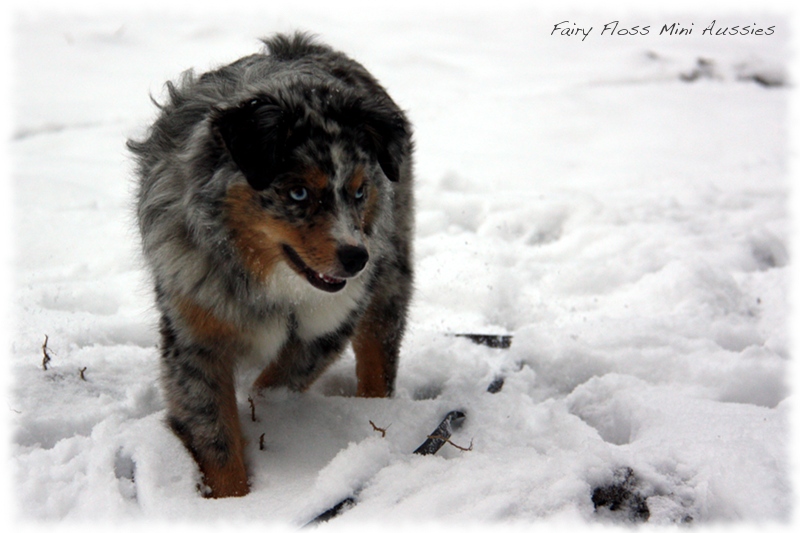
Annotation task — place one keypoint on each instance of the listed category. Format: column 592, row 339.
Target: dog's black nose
column 353, row 258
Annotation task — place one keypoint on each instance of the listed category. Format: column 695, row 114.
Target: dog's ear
column 387, row 134
column 254, row 134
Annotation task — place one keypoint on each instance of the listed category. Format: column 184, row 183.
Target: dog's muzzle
column 353, row 259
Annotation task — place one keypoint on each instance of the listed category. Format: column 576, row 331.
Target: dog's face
column 313, row 184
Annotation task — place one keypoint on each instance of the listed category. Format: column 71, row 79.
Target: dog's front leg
column 202, row 410
column 299, row 364
column 376, row 344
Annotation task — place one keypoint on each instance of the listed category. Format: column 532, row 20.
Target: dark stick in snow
column 492, row 341
column 334, row 511
column 502, row 342
column 440, row 435
column 496, row 385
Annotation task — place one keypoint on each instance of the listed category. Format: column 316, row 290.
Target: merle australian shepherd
column 275, row 208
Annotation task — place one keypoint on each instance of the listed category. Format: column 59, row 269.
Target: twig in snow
column 252, row 408
column 261, row 441
column 45, row 349
column 438, row 438
column 382, row 431
column 83, row 376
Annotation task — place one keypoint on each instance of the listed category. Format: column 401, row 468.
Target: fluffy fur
column 275, row 210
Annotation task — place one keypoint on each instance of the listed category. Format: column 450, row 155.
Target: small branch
column 261, row 441
column 451, row 443
column 252, row 408
column 83, row 376
column 45, row 349
column 382, row 431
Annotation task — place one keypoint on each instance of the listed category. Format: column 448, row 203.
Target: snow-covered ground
column 618, row 204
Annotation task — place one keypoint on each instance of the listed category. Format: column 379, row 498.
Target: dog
column 275, row 206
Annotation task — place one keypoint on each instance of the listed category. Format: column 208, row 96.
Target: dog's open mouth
column 321, row 281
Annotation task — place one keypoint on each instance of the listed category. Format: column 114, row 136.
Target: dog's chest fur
column 304, row 311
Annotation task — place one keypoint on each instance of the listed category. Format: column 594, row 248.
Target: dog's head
column 313, row 162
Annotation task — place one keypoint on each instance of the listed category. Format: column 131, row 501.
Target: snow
column 629, row 228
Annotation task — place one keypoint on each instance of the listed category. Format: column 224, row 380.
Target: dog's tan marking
column 250, row 231
column 315, row 178
column 274, row 375
column 313, row 241
column 316, row 247
column 371, row 363
column 226, row 480
column 204, row 324
column 370, row 211
column 271, row 376
column 229, row 478
column 356, row 181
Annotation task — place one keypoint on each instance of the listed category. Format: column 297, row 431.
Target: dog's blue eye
column 359, row 194
column 298, row 194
